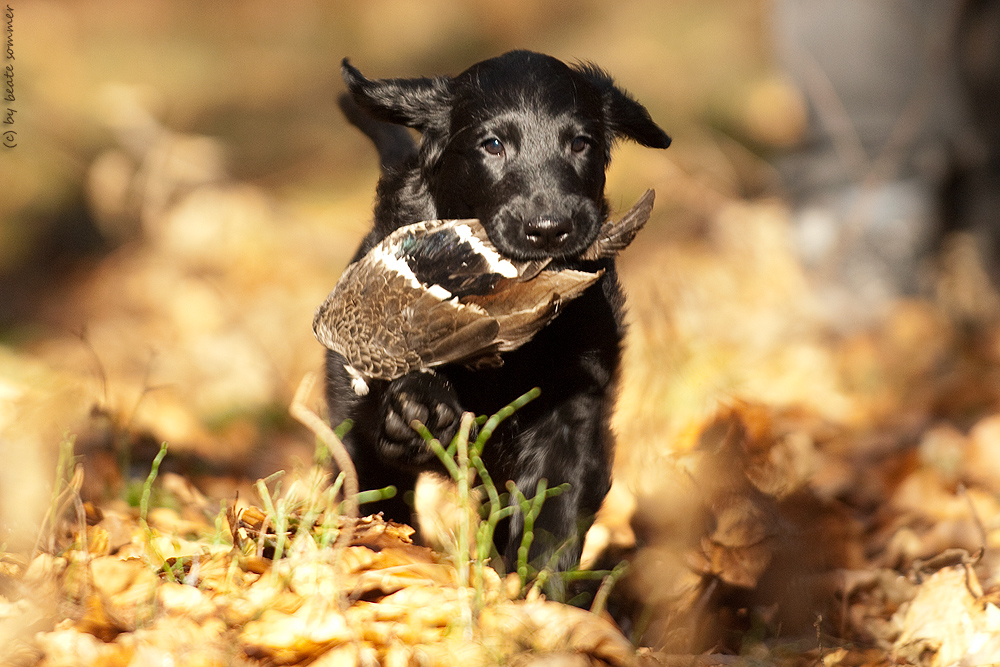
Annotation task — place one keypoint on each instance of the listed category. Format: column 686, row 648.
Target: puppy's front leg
column 383, row 445
column 419, row 396
column 568, row 446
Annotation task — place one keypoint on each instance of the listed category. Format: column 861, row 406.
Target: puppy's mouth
column 543, row 237
column 566, row 249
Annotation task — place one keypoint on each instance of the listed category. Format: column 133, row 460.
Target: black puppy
column 520, row 142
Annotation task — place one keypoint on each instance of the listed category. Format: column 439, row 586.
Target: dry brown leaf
column 395, row 555
column 311, row 577
column 102, row 619
column 270, row 591
column 451, row 651
column 185, row 601
column 288, row 638
column 398, row 564
column 391, row 579
column 168, row 521
column 737, row 566
column 355, row 559
column 434, row 606
column 113, row 576
column 981, row 460
column 946, row 624
column 44, row 571
column 179, row 641
column 740, row 548
column 67, row 647
column 648, row 658
column 354, row 654
column 377, row 533
column 549, row 627
column 217, row 572
column 929, row 516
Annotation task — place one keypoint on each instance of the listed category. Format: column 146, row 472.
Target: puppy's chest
column 581, row 347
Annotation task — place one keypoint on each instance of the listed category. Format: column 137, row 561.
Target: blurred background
column 813, row 290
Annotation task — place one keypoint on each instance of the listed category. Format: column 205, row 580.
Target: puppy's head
column 520, row 141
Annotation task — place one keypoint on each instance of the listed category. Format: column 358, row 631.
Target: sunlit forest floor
column 788, row 490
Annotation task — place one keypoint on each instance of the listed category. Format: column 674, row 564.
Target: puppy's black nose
column 548, row 234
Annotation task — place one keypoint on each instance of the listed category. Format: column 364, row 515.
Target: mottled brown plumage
column 438, row 292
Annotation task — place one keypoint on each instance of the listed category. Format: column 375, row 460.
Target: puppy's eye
column 579, row 144
column 494, row 146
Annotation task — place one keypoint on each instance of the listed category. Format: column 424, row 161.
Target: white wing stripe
column 497, row 263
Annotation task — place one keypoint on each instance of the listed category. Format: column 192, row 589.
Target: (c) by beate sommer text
column 7, row 132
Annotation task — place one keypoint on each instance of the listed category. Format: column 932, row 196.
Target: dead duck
column 438, row 292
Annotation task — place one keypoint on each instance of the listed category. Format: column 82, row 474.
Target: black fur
column 521, row 142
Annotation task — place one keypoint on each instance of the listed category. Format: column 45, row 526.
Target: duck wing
column 386, row 326
column 522, row 309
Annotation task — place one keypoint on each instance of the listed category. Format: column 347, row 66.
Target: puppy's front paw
column 419, row 397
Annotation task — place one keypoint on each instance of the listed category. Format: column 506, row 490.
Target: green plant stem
column 271, row 517
column 601, row 597
column 147, row 487
column 530, row 509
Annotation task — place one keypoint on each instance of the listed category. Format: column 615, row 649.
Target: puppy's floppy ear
column 625, row 117
column 418, row 103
